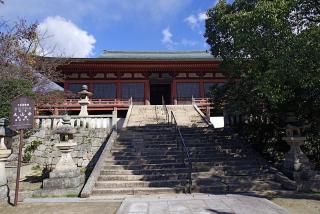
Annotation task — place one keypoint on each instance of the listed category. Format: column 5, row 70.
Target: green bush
column 28, row 151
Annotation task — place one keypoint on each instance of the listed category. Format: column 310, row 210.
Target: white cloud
column 171, row 44
column 195, row 21
column 192, row 21
column 65, row 38
column 202, row 16
column 167, row 38
column 99, row 11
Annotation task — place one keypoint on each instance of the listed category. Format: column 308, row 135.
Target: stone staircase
column 145, row 158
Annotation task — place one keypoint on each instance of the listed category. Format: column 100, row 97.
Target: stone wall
column 46, row 154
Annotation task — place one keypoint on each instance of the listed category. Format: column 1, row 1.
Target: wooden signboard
column 22, row 117
column 22, row 113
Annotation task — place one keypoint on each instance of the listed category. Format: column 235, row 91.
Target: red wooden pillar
column 174, row 92
column 202, row 89
column 147, row 92
column 55, row 111
column 66, row 86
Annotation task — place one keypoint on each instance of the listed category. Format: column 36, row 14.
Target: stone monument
column 5, row 132
column 84, row 100
column 66, row 178
column 296, row 165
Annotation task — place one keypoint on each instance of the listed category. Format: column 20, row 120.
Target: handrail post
column 190, row 177
column 186, row 155
column 165, row 110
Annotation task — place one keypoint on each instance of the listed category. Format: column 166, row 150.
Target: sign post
column 22, row 117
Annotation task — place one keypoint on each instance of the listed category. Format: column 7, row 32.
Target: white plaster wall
column 218, row 122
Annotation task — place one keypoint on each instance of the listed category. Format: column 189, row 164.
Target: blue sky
column 83, row 28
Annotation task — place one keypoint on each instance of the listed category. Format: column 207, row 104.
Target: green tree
column 271, row 54
column 23, row 63
column 10, row 89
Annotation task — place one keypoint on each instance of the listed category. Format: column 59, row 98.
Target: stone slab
column 70, row 192
column 61, row 183
column 65, row 174
column 199, row 204
column 4, row 193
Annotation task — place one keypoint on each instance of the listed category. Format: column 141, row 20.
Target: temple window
column 134, row 90
column 188, row 90
column 104, row 90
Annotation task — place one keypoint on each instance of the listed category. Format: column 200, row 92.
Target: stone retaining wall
column 47, row 155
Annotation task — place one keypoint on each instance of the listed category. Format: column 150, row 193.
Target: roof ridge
column 157, row 52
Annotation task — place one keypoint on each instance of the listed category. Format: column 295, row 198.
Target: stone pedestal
column 4, row 154
column 66, row 162
column 84, row 107
column 84, row 100
column 66, row 178
column 296, row 164
column 5, row 132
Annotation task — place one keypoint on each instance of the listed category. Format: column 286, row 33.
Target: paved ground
column 196, row 204
column 299, row 205
column 199, row 204
column 62, row 208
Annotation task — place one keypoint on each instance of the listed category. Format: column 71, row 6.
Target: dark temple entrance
column 159, row 90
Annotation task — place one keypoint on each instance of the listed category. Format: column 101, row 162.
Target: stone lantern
column 66, row 177
column 84, row 100
column 296, row 162
column 5, row 132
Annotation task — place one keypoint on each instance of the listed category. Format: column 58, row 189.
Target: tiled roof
column 157, row 55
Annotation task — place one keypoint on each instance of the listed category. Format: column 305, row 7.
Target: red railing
column 73, row 105
column 201, row 102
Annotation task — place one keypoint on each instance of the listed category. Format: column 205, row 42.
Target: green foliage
column 28, row 151
column 11, row 89
column 271, row 53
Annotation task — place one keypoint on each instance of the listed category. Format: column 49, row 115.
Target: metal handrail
column 165, row 110
column 185, row 149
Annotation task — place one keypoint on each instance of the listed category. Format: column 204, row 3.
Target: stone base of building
column 62, row 183
column 68, row 192
column 4, row 191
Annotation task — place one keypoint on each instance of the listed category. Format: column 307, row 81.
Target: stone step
column 144, row 166
column 147, row 157
column 227, row 170
column 161, row 145
column 208, row 161
column 143, row 171
column 147, row 153
column 109, row 161
column 173, row 149
column 176, row 176
column 207, row 180
column 133, row 184
column 147, row 145
column 146, row 150
column 178, row 156
column 137, row 191
column 132, row 140
column 216, row 171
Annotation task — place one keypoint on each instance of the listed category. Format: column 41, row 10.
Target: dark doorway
column 159, row 90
